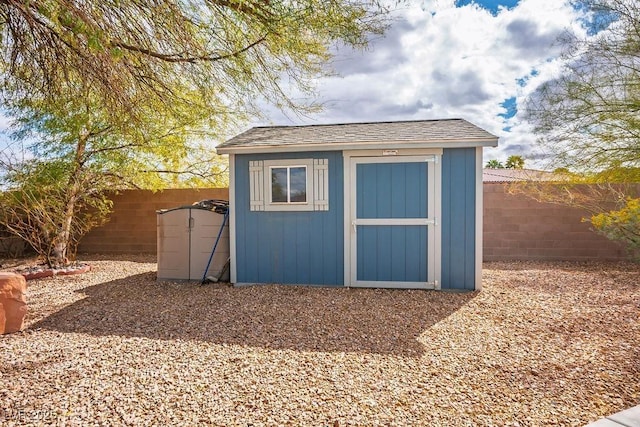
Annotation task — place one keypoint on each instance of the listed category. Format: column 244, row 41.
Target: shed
column 186, row 236
column 385, row 204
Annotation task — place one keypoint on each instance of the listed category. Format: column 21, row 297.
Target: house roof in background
column 516, row 175
column 415, row 134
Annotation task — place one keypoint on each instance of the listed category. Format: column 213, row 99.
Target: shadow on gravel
column 273, row 317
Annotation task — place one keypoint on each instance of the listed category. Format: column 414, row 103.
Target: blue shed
column 386, row 204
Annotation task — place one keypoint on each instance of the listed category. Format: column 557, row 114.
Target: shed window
column 289, row 185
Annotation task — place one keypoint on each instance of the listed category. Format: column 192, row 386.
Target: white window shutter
column 321, row 184
column 256, row 185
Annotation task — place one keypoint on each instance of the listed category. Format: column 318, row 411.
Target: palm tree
column 514, row 162
column 494, row 164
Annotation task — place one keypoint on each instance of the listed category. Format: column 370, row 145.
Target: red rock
column 38, row 274
column 13, row 304
column 3, row 319
column 78, row 270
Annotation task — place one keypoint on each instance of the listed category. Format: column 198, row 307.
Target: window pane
column 298, row 184
column 278, row 185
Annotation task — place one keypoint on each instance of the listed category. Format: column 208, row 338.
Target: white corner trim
column 346, row 237
column 232, row 219
column 479, row 215
column 437, row 230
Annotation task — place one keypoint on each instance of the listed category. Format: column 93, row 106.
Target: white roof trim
column 305, row 147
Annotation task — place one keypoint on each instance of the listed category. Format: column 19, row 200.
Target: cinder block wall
column 515, row 227
column 519, row 228
column 132, row 225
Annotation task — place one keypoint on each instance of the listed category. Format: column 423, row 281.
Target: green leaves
column 79, row 153
column 514, row 162
column 494, row 164
column 622, row 225
column 36, row 207
column 124, row 93
column 227, row 53
column 588, row 121
column 588, row 117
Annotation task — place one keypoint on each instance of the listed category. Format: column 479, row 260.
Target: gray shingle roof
column 407, row 132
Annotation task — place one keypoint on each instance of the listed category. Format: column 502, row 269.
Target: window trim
column 288, row 168
column 288, row 206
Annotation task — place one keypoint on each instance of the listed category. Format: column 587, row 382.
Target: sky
column 471, row 59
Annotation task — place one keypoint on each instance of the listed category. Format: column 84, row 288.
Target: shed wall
column 458, row 218
column 290, row 247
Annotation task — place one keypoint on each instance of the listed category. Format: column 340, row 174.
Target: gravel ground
column 542, row 344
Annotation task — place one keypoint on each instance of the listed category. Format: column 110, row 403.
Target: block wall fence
column 132, row 225
column 515, row 227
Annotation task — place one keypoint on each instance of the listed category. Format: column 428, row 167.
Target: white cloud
column 439, row 61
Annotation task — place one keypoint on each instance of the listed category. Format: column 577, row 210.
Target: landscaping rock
column 543, row 344
column 13, row 304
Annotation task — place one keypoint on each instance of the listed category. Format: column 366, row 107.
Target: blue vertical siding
column 290, row 247
column 458, row 218
column 308, row 247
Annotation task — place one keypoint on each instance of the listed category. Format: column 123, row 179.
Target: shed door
column 173, row 244
column 393, row 216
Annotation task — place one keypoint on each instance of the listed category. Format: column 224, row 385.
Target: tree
column 622, row 224
column 588, row 117
column 114, row 92
column 37, row 208
column 514, row 162
column 78, row 152
column 224, row 56
column 494, row 164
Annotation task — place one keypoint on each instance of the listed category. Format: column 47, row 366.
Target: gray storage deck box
column 186, row 236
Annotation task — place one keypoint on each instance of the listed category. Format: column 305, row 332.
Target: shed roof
column 414, row 134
